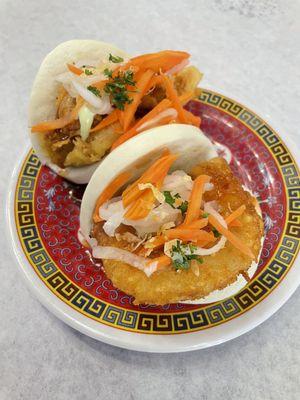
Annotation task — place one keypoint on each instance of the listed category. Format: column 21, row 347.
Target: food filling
column 102, row 104
column 165, row 220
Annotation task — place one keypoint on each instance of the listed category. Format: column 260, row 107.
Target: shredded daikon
column 78, row 85
column 87, row 95
column 178, row 182
column 113, row 213
column 115, row 253
column 210, row 208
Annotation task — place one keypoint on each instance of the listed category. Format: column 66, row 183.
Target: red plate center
column 57, row 209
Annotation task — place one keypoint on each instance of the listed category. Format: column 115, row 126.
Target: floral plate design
column 43, row 212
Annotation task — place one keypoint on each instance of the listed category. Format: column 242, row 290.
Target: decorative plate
column 43, row 211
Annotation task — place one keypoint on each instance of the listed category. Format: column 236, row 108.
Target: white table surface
column 248, row 50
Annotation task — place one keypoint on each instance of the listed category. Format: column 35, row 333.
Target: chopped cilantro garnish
column 170, row 199
column 108, row 72
column 127, row 78
column 94, row 90
column 216, row 232
column 88, row 72
column 182, row 254
column 115, row 59
column 117, row 87
column 183, row 207
column 205, row 215
column 192, row 247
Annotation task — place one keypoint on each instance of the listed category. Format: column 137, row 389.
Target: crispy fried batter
column 93, row 149
column 217, row 271
column 185, row 81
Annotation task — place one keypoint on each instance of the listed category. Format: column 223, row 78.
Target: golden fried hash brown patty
column 217, row 271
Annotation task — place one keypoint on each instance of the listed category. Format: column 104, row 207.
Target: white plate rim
column 153, row 343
